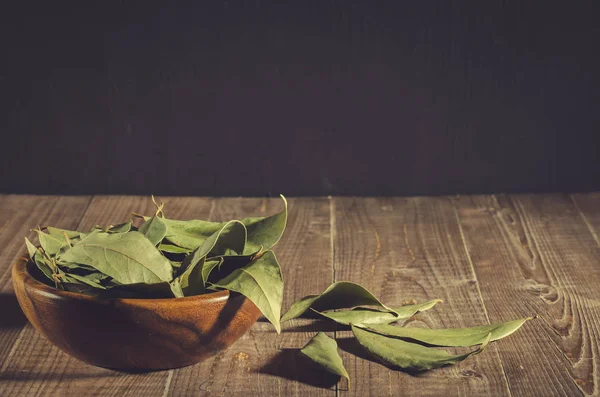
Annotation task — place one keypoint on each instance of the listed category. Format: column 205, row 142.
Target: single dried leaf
column 52, row 245
column 56, row 232
column 359, row 316
column 154, row 229
column 262, row 283
column 265, row 231
column 39, row 260
column 121, row 228
column 89, row 281
column 340, row 295
column 364, row 315
column 173, row 249
column 452, row 336
column 323, row 350
column 189, row 234
column 402, row 354
column 408, row 311
column 127, row 257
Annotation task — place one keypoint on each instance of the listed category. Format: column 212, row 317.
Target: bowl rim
column 21, row 274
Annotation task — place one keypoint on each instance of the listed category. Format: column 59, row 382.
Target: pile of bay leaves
column 167, row 258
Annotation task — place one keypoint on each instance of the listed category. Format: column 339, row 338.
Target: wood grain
column 490, row 258
column 410, row 248
column 535, row 255
column 38, row 368
column 262, row 362
column 18, row 215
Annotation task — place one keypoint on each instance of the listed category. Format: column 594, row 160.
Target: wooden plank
column 262, row 362
column 410, row 248
column 18, row 215
column 36, row 367
column 535, row 255
column 588, row 206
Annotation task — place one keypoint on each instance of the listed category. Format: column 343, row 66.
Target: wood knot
column 241, row 356
column 467, row 373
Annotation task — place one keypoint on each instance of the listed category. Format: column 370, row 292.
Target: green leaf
column 139, row 290
column 121, row 228
column 191, row 280
column 60, row 233
column 261, row 282
column 323, row 350
column 265, row 231
column 399, row 353
column 31, row 249
column 76, row 278
column 51, row 244
column 227, row 264
column 126, row 257
column 231, row 238
column 154, row 229
column 189, row 234
column 364, row 316
column 40, row 261
column 452, row 336
column 209, row 266
column 173, row 249
column 407, row 311
column 359, row 316
column 340, row 295
column 176, row 288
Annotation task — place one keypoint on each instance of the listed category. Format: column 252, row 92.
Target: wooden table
column 490, row 258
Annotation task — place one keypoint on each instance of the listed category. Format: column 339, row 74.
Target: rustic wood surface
column 490, row 258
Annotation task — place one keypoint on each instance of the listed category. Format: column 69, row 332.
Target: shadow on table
column 290, row 364
column 21, row 376
column 12, row 315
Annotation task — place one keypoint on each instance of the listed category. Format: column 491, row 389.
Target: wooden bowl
column 133, row 334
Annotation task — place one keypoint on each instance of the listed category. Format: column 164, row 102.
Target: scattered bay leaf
column 323, row 350
column 262, row 283
column 452, row 336
column 340, row 295
column 402, row 354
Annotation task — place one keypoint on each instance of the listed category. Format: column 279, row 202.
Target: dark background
column 300, row 97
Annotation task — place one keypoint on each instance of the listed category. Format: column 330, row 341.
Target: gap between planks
column 477, row 284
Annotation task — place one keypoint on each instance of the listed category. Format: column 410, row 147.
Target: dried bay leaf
column 121, row 228
column 139, row 290
column 262, row 283
column 340, row 295
column 265, row 231
column 154, row 229
column 173, row 249
column 51, row 245
column 323, row 350
column 407, row 311
column 229, row 239
column 189, row 234
column 452, row 336
column 364, row 315
column 359, row 316
column 402, row 354
column 127, row 257
column 59, row 233
column 39, row 260
column 89, row 281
